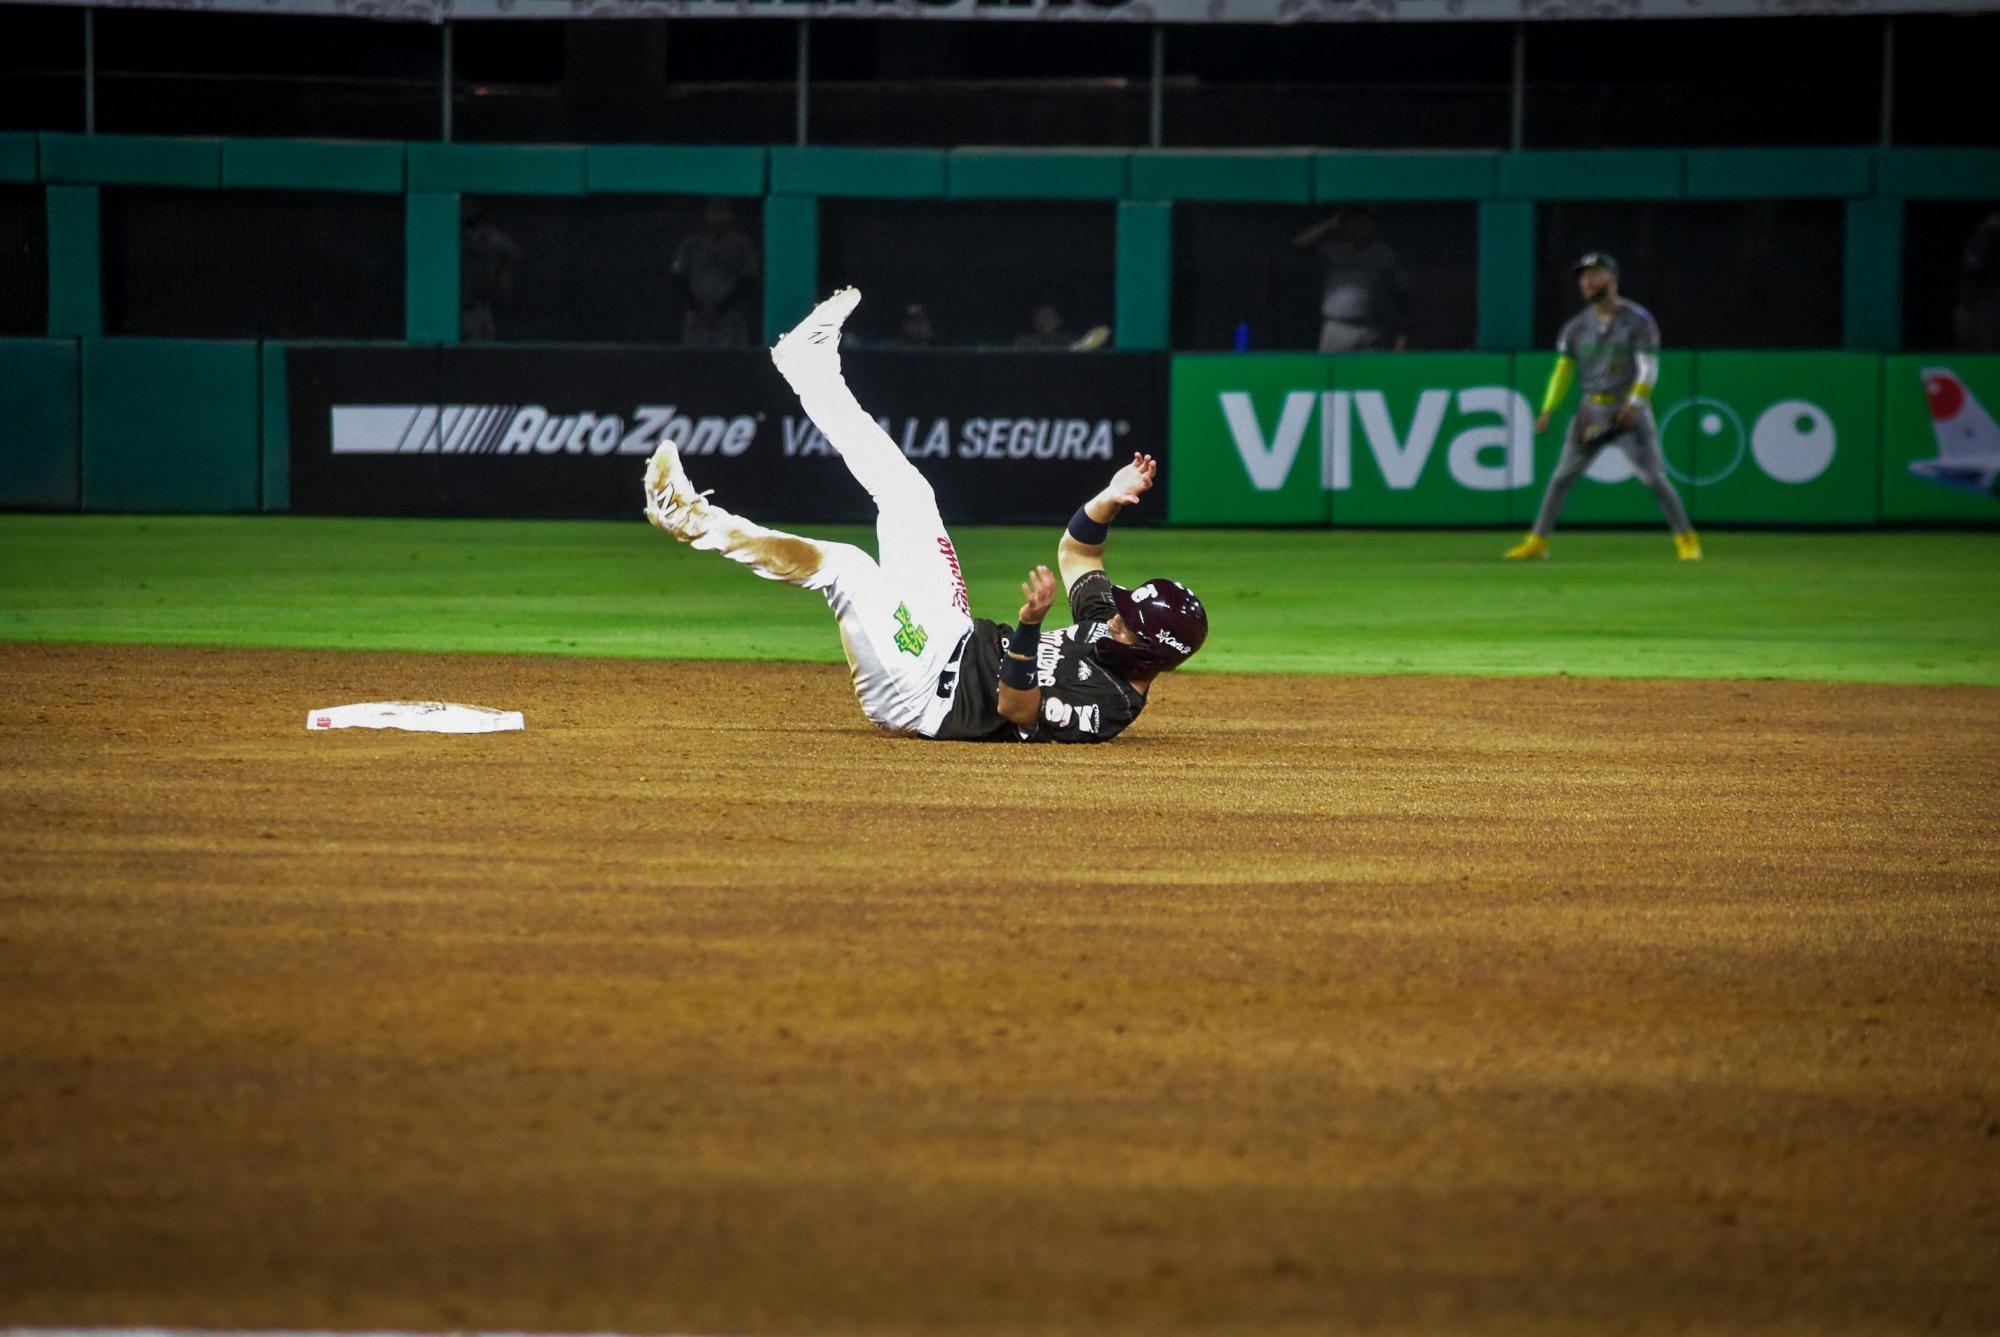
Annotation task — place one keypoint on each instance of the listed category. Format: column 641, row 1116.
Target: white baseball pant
column 904, row 621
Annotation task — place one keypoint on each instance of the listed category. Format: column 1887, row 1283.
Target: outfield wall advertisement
column 1941, row 439
column 1449, row 439
column 1014, row 438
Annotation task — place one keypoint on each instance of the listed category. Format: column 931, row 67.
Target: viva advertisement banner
column 1941, row 438
column 1382, row 439
column 1013, row 438
column 1777, row 438
column 1448, row 439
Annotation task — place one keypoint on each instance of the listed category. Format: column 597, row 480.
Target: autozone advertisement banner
column 1449, row 439
column 1004, row 438
column 1126, row 11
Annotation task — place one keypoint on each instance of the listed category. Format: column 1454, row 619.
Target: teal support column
column 1145, row 275
column 76, row 284
column 1506, row 275
column 791, row 261
column 274, row 422
column 430, row 274
column 1873, row 303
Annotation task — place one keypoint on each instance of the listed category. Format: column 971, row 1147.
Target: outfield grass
column 1865, row 607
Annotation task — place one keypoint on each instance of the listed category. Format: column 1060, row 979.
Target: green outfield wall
column 1448, row 439
column 1844, row 437
column 1145, row 184
column 1420, row 439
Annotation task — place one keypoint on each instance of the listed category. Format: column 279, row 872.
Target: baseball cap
column 1595, row 260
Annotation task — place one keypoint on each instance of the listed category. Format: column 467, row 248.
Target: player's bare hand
column 1627, row 415
column 1542, row 423
column 1132, row 480
column 1038, row 593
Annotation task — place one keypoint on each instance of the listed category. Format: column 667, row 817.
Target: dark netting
column 943, row 84
column 612, row 269
column 1722, row 274
column 41, row 68
column 1267, row 276
column 1951, row 275
column 1344, row 85
column 980, row 272
column 1733, row 81
column 633, row 81
column 1944, row 79
column 175, row 72
column 24, row 262
column 227, row 264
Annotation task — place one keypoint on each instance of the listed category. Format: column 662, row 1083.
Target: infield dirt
column 1328, row 1004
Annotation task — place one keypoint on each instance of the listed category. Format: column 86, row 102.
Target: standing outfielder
column 1612, row 348
column 922, row 664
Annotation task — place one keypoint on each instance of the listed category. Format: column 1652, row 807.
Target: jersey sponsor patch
column 1086, row 719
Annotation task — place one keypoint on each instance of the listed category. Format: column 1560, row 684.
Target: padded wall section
column 76, row 283
column 431, row 262
column 497, row 169
column 131, row 160
column 1872, row 288
column 312, row 164
column 895, row 173
column 170, row 425
column 1506, row 274
column 1145, row 275
column 1035, row 175
column 1405, row 176
column 650, row 170
column 791, row 262
column 1163, row 174
column 38, row 448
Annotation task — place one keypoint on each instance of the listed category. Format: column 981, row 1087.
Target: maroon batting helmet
column 1169, row 621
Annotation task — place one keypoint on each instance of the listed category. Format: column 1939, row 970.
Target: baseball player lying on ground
column 922, row 664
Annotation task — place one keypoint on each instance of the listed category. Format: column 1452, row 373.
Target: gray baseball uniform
column 1607, row 364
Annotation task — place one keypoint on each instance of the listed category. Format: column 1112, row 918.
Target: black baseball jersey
column 1082, row 700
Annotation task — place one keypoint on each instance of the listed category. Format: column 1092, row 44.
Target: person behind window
column 491, row 267
column 1977, row 317
column 714, row 270
column 916, row 330
column 1364, row 298
column 1045, row 330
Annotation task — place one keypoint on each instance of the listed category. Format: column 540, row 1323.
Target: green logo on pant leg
column 911, row 639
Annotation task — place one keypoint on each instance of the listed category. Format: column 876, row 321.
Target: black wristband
column 1017, row 673
column 1086, row 530
column 1017, row 665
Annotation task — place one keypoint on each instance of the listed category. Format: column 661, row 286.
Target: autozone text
column 980, row 438
column 535, row 431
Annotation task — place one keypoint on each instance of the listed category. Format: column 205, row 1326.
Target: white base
column 417, row 717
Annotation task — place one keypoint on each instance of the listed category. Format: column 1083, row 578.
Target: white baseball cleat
column 815, row 341
column 672, row 504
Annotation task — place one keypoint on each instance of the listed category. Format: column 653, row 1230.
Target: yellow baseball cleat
column 1687, row 546
column 1528, row 549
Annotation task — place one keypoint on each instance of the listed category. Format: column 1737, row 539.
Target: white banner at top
column 1098, row 11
